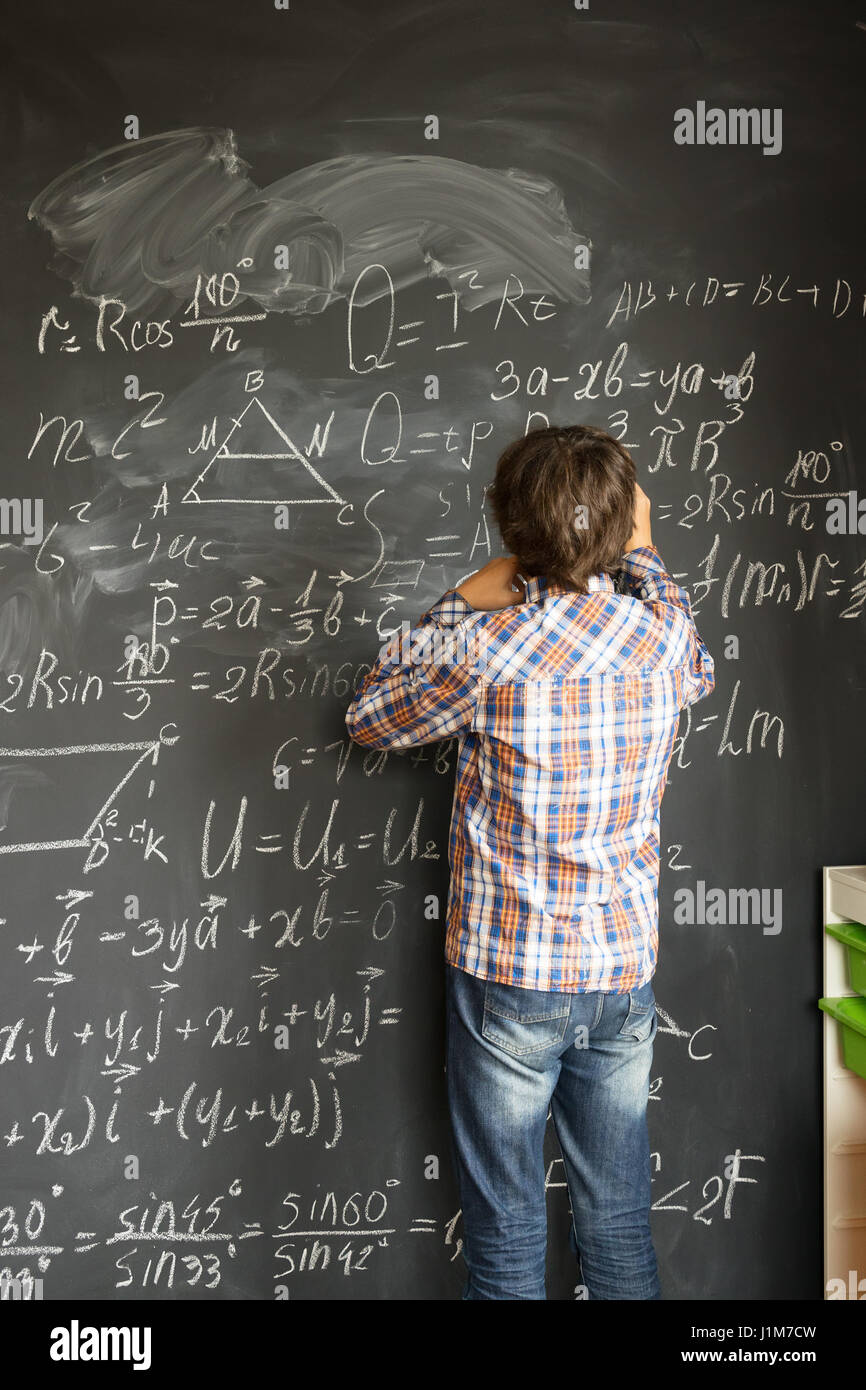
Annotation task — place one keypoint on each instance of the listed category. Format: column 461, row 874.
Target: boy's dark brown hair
column 540, row 481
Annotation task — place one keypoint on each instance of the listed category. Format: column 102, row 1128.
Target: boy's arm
column 648, row 580
column 425, row 682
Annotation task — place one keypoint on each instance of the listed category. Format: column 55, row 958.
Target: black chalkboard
column 253, row 465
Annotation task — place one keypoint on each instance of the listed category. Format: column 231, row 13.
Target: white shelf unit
column 844, row 1101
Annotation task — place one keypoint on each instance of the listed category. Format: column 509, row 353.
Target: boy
column 568, row 664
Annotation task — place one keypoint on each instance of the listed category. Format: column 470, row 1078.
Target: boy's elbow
column 367, row 735
column 704, row 685
column 357, row 730
column 698, row 684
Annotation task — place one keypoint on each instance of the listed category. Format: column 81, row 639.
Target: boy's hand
column 641, row 535
column 493, row 586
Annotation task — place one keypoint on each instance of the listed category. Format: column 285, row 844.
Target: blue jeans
column 512, row 1055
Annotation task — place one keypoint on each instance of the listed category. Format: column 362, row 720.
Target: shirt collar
column 539, row 587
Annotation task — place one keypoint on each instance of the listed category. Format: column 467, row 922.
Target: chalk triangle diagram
column 63, row 804
column 255, row 436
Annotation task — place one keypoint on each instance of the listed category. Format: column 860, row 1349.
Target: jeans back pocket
column 641, row 1019
column 523, row 1021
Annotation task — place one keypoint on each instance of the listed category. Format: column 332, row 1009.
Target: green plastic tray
column 851, row 1014
column 852, row 935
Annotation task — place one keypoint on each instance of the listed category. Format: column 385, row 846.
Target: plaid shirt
column 565, row 731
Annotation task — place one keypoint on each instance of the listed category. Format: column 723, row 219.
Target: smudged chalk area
column 140, row 221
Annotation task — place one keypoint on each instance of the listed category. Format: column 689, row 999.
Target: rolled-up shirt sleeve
column 648, row 580
column 425, row 682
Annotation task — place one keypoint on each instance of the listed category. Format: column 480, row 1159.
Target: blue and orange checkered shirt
column 566, row 727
